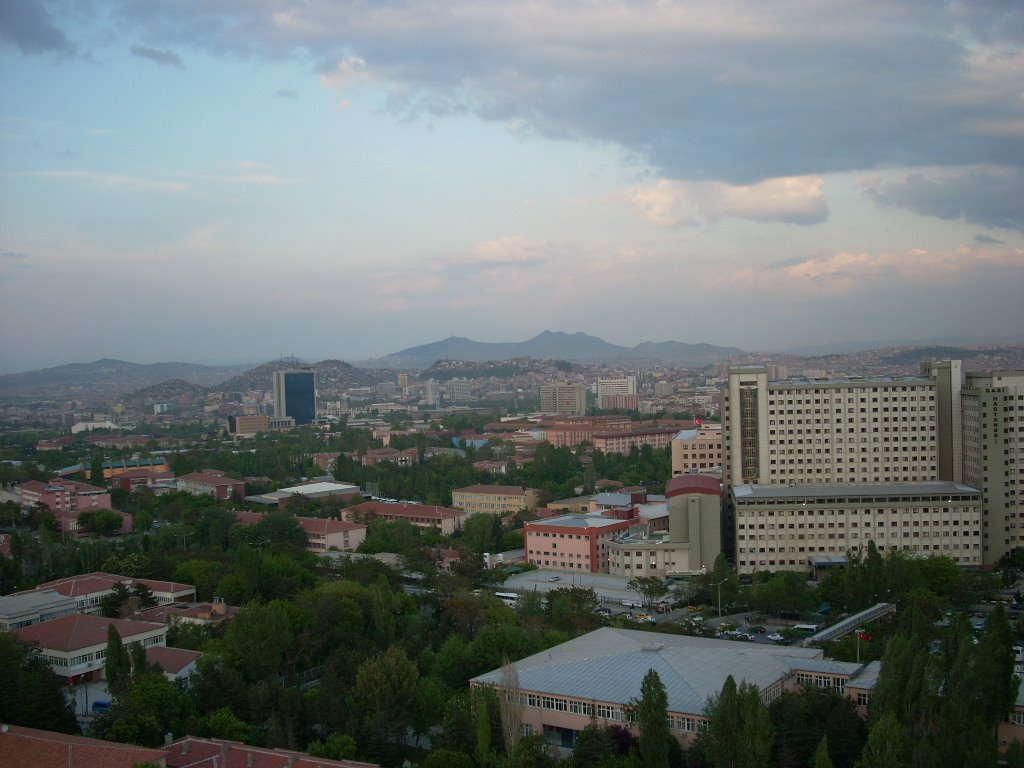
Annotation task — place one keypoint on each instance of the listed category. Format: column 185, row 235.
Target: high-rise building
column 881, row 430
column 948, row 415
column 560, row 397
column 460, row 390
column 607, row 389
column 993, row 456
column 432, row 393
column 295, row 395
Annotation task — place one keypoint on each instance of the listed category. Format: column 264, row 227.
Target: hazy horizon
column 214, row 180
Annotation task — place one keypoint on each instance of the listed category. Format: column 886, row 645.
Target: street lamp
column 719, row 585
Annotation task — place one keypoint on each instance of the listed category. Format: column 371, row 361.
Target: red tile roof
column 325, row 526
column 403, row 509
column 84, row 584
column 207, row 479
column 164, row 586
column 28, row 747
column 70, row 633
column 194, row 752
column 172, row 660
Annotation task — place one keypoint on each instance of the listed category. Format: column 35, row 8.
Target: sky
column 237, row 180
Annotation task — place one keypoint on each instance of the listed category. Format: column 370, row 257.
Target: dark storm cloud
column 732, row 92
column 992, row 199
column 28, row 26
column 163, row 58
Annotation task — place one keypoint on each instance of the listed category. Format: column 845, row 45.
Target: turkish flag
column 862, row 635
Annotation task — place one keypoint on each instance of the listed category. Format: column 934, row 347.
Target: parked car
column 100, row 707
column 632, row 604
column 758, row 630
column 775, row 637
column 554, row 578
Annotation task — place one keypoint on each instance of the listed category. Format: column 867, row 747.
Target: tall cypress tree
column 650, row 713
column 118, row 663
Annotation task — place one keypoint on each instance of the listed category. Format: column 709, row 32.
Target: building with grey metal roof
column 596, row 676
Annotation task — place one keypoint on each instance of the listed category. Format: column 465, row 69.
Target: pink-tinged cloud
column 792, row 200
column 512, row 252
column 846, row 273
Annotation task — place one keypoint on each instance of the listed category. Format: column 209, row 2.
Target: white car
column 775, row 637
column 632, row 604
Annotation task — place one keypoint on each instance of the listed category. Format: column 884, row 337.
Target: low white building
column 76, row 646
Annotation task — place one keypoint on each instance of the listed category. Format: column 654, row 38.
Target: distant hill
column 554, row 345
column 331, row 375
column 107, row 377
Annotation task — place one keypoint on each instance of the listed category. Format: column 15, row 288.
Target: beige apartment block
column 560, row 397
column 697, row 450
column 610, row 391
column 993, row 455
column 794, row 527
column 494, row 499
column 828, row 431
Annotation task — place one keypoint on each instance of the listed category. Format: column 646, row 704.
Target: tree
column 821, row 758
column 445, row 758
column 96, row 470
column 650, row 588
column 100, row 522
column 739, row 732
column 143, row 595
column 382, row 696
column 509, row 705
column 30, row 692
column 118, row 664
column 886, row 745
column 650, row 713
column 337, row 746
column 112, row 605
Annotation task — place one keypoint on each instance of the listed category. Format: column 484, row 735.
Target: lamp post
column 719, row 585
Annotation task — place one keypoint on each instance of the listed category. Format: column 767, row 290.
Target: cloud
column 503, row 253
column 735, row 92
column 99, row 131
column 287, row 93
column 28, row 26
column 986, row 240
column 13, row 255
column 980, row 196
column 161, row 57
column 797, row 200
column 846, row 272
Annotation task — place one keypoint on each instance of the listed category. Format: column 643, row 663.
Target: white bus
column 807, row 629
column 511, row 599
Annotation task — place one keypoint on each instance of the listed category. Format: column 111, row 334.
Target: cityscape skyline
column 215, row 181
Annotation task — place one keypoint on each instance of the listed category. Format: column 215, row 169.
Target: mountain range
column 553, row 345
column 108, row 376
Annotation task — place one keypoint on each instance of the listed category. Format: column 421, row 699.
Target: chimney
column 185, row 746
column 219, row 608
column 250, row 760
column 168, row 738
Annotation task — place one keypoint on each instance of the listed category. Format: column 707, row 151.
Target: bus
column 511, row 599
column 807, row 629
